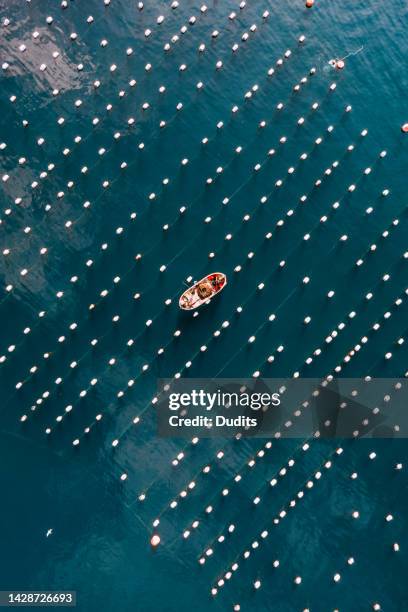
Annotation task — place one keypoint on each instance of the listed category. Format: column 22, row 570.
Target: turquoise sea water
column 101, row 528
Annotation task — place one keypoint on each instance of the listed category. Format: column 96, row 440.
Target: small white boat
column 203, row 291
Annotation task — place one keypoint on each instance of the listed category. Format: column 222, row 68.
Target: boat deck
column 202, row 291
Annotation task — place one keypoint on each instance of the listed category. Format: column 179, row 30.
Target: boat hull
column 203, row 291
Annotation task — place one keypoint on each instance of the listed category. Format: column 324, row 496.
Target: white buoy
column 155, row 540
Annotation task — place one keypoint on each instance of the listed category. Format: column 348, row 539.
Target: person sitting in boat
column 204, row 290
column 216, row 281
column 188, row 300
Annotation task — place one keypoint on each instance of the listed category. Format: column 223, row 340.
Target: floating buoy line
column 129, row 271
column 122, row 93
column 127, row 165
column 277, row 519
column 115, row 360
column 73, row 193
column 90, row 262
column 220, row 372
column 200, row 349
column 197, row 351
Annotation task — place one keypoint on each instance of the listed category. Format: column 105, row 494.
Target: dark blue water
column 59, row 385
